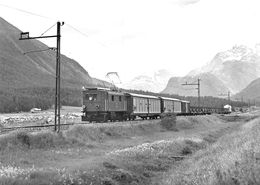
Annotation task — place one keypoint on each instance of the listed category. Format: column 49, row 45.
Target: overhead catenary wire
column 77, row 30
column 46, row 17
column 24, row 11
column 83, row 34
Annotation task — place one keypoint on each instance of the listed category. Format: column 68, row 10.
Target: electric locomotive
column 101, row 104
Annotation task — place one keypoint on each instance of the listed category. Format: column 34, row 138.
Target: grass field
column 233, row 159
column 199, row 150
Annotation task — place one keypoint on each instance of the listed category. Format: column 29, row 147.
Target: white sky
column 139, row 37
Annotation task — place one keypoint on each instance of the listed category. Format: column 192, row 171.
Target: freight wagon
column 170, row 105
column 144, row 106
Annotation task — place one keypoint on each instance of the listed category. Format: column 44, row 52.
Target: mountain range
column 22, row 68
column 230, row 70
column 250, row 93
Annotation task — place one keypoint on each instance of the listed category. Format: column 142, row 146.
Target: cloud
column 184, row 2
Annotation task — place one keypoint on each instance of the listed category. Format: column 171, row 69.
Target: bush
column 168, row 122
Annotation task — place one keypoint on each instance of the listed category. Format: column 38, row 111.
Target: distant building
column 228, row 108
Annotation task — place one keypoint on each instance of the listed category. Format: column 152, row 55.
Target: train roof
column 185, row 101
column 116, row 93
column 166, row 98
column 96, row 88
column 142, row 96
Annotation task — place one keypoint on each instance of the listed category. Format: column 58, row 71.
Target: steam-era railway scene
column 130, row 92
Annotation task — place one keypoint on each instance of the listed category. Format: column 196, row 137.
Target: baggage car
column 144, row 106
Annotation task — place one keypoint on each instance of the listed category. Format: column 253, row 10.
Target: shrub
column 168, row 122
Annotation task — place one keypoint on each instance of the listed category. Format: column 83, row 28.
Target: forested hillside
column 28, row 80
column 15, row 100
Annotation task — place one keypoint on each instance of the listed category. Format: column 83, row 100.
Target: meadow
column 188, row 150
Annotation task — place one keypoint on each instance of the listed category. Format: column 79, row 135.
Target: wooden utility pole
column 198, row 88
column 25, row 36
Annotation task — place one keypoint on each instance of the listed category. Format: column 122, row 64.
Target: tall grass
column 43, row 140
column 190, row 122
column 233, row 160
column 138, row 164
column 102, row 132
column 133, row 165
column 79, row 134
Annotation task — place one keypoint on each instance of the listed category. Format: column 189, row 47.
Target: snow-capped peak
column 236, row 53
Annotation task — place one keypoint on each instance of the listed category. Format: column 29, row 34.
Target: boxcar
column 170, row 105
column 101, row 104
column 185, row 107
column 144, row 106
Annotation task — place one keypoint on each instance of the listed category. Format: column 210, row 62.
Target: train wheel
column 124, row 117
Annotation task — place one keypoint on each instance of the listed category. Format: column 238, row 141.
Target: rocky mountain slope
column 19, row 70
column 230, row 70
column 251, row 92
column 210, row 85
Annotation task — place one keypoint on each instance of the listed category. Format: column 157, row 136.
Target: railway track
column 65, row 126
column 32, row 128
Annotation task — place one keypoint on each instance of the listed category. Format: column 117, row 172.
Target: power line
column 42, row 16
column 84, row 34
column 77, row 30
column 24, row 11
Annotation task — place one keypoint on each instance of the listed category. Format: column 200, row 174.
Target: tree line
column 24, row 99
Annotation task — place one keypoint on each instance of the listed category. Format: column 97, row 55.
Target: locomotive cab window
column 91, row 97
column 112, row 97
column 120, row 98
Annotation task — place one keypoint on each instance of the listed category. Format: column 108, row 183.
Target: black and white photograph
column 130, row 92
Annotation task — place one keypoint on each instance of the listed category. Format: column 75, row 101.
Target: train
column 104, row 104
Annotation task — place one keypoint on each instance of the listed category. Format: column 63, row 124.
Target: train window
column 112, row 97
column 91, row 97
column 120, row 98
